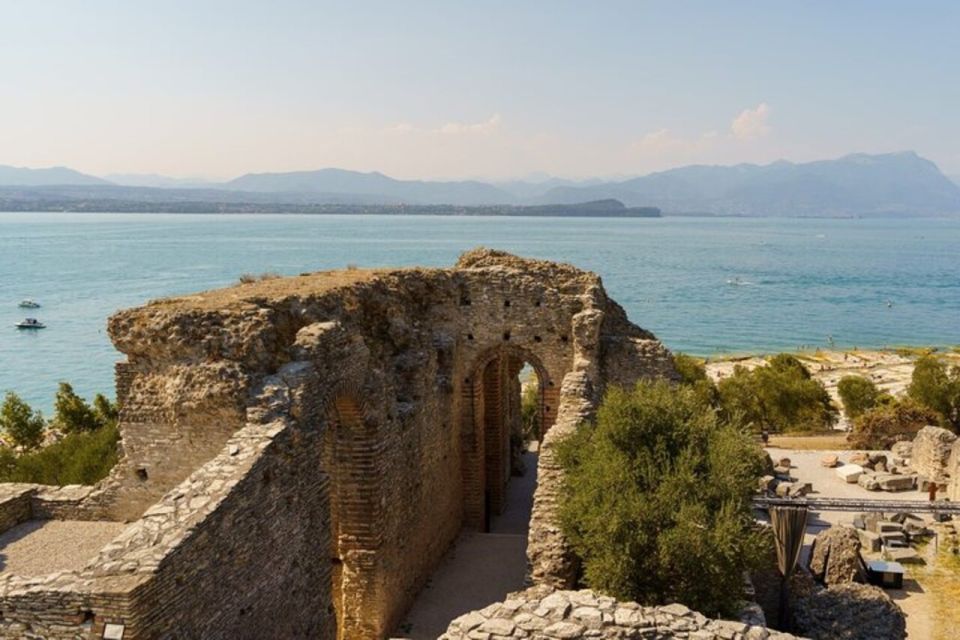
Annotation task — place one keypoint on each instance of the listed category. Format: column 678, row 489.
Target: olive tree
column 656, row 500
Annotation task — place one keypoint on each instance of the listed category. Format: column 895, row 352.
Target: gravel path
column 40, row 547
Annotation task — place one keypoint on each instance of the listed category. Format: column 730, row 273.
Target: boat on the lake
column 29, row 303
column 31, row 323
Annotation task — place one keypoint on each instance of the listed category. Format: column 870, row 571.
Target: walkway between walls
column 481, row 569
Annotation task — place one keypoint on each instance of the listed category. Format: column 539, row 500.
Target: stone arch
column 489, row 402
column 352, row 453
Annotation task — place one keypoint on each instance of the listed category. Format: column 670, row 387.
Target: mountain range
column 895, row 184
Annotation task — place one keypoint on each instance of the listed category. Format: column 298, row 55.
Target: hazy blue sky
column 472, row 89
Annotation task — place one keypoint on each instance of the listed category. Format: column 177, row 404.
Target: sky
column 456, row 89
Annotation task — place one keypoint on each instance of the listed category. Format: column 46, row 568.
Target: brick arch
column 352, row 460
column 487, row 406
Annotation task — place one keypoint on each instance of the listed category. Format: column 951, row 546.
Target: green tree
column 72, row 414
column 938, row 388
column 24, row 426
column 105, row 411
column 858, row 394
column 885, row 424
column 779, row 396
column 656, row 499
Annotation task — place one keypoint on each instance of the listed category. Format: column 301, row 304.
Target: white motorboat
column 29, row 303
column 31, row 323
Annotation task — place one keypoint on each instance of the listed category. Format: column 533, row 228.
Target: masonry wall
column 299, row 455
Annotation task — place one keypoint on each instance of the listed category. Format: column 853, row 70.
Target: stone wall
column 299, row 453
column 931, row 452
column 543, row 614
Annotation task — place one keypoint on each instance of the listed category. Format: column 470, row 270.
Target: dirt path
column 481, row 569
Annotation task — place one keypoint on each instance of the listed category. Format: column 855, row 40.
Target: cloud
column 489, row 125
column 751, row 123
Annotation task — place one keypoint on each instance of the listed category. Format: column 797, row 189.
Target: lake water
column 867, row 283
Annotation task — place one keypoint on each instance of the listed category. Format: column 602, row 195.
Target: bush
column 530, row 411
column 780, row 396
column 80, row 458
column 882, row 426
column 657, row 497
column 936, row 387
column 23, row 426
column 858, row 395
column 693, row 374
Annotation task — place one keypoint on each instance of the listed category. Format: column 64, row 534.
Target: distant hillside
column 361, row 186
column 21, row 176
column 896, row 184
column 855, row 185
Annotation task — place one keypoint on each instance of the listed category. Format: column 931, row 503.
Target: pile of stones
column 782, row 484
column 879, row 472
column 541, row 614
column 892, row 536
column 830, row 602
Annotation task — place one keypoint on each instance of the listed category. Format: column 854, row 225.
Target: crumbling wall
column 931, row 452
column 298, row 454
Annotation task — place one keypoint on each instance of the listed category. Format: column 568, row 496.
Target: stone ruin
column 297, row 454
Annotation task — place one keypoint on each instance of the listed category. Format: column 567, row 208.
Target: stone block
column 830, row 460
column 849, row 473
column 868, row 481
column 869, row 540
column 932, row 448
column 890, row 482
column 902, row 554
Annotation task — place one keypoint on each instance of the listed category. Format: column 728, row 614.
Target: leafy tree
column 24, row 426
column 883, row 425
column 858, row 395
column 72, row 414
column 105, row 411
column 780, row 396
column 938, row 388
column 657, row 496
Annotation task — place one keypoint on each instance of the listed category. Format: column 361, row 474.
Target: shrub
column 656, row 499
column 84, row 457
column 23, row 426
column 693, row 374
column 882, row 426
column 858, row 395
column 250, row 278
column 530, row 411
column 780, row 396
column 938, row 388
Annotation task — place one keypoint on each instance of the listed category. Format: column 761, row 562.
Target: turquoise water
column 801, row 280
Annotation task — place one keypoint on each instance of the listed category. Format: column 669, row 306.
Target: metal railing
column 858, row 504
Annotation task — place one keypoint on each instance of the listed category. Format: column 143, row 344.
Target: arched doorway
column 350, row 458
column 492, row 418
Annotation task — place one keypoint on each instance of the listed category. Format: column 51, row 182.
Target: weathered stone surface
column 868, row 481
column 835, row 558
column 830, row 460
column 891, row 482
column 903, row 449
column 932, row 447
column 545, row 615
column 357, row 416
column 850, row 611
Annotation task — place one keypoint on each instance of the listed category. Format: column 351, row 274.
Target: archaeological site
column 298, row 454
